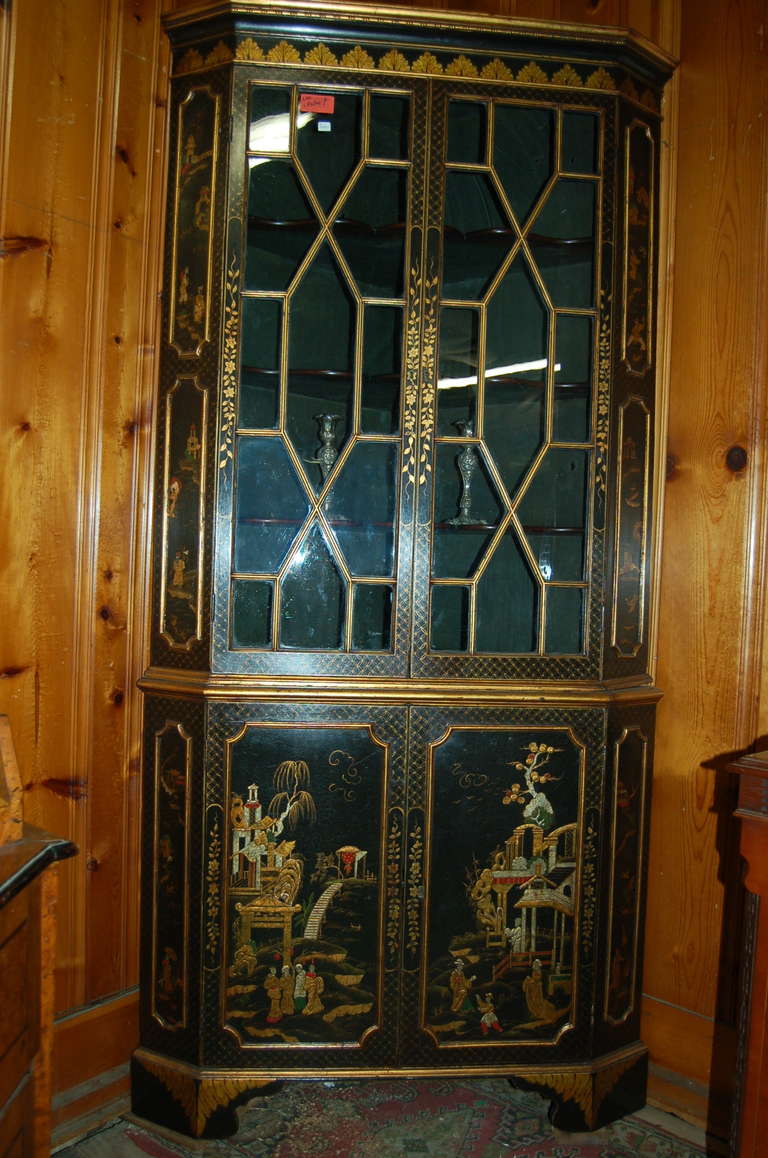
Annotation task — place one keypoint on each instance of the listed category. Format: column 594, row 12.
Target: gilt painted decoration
column 631, row 527
column 638, row 242
column 503, row 869
column 172, row 762
column 198, row 130
column 304, row 892
column 630, row 756
column 184, row 480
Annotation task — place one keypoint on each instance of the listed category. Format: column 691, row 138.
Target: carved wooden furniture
column 27, row 944
column 752, row 1125
column 399, row 720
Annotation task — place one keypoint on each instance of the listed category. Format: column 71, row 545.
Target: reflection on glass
column 316, row 622
column 260, row 362
column 371, row 617
column 371, row 231
column 330, row 147
column 559, row 556
column 251, row 613
column 382, row 368
column 281, row 226
column 562, row 242
column 565, row 621
column 580, row 136
column 389, row 127
column 467, row 132
column 557, row 495
column 573, row 378
column 270, row 504
column 523, row 154
column 477, row 235
column 321, row 335
column 449, row 618
column 507, row 602
column 361, row 507
column 269, row 128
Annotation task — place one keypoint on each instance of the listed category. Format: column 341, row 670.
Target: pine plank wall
column 82, row 127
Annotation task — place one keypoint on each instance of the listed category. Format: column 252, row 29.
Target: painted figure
column 178, row 567
column 299, row 989
column 461, row 986
column 193, row 443
column 184, row 286
column 274, row 994
column 315, row 986
column 198, row 309
column 286, row 992
column 533, row 988
column 174, row 490
column 488, row 1018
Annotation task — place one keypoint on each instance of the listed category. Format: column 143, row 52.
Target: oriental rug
column 437, row 1118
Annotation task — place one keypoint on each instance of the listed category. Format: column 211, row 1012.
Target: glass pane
column 565, row 620
column 251, row 613
column 329, row 146
column 523, row 154
column 449, row 618
column 580, row 143
column 457, row 368
column 559, row 556
column 389, row 127
column 477, row 235
column 321, row 327
column 270, row 505
column 312, row 609
column 557, row 496
column 467, row 132
column 281, row 225
column 260, row 362
column 382, row 368
column 563, row 245
column 507, row 602
column 516, row 359
column 361, row 507
column 372, row 622
column 467, row 510
column 573, row 379
column 371, row 231
column 269, row 128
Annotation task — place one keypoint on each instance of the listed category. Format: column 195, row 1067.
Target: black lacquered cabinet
column 399, row 717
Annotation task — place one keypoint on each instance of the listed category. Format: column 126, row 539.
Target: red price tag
column 316, row 102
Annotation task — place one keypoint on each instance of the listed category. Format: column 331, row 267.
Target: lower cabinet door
column 308, row 971
column 502, row 841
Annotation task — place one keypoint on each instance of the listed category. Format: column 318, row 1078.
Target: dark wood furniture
column 399, row 713
column 751, row 1128
column 27, row 947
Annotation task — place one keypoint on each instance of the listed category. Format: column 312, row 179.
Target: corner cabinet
column 398, row 717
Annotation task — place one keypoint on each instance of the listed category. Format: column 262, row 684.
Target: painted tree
column 292, row 801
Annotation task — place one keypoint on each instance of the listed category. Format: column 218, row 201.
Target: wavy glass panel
column 565, row 620
column 312, row 623
column 477, row 235
column 361, row 508
column 281, row 225
column 457, row 368
column 251, row 613
column 574, row 353
column 371, row 617
column 329, row 145
column 270, row 504
column 321, row 345
column 388, row 133
column 371, row 231
column 507, row 602
column 260, row 362
column 580, row 142
column 523, row 154
column 449, row 618
column 382, row 369
column 467, row 131
column 553, row 513
column 562, row 241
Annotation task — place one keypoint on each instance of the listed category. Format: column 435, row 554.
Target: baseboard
column 92, row 1049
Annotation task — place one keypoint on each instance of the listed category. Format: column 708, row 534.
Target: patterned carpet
column 397, row 1119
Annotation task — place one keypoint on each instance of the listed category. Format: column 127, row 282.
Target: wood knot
column 104, row 612
column 736, row 459
column 672, row 467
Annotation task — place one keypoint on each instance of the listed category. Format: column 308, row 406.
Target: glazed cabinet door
column 304, row 829
column 321, row 336
column 509, row 560
column 502, row 850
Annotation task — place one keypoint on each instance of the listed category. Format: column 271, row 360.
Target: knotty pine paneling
column 81, row 149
